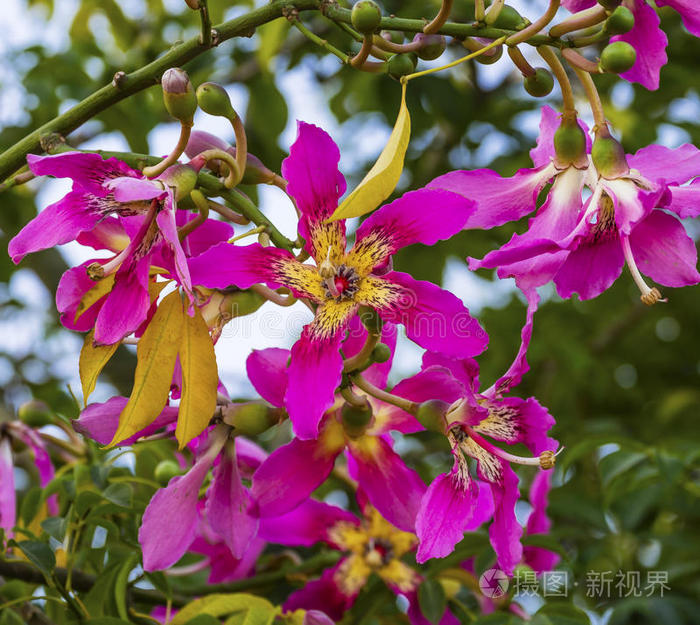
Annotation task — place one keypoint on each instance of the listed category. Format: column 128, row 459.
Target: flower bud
column 570, row 144
column 381, row 353
column 356, row 419
column 366, row 16
column 509, row 19
column 200, row 141
column 540, row 83
column 621, row 21
column 165, row 471
column 402, row 64
column 490, row 56
column 431, row 415
column 432, row 46
column 608, row 155
column 182, row 178
column 34, row 413
column 617, row 57
column 213, row 99
column 178, row 95
column 250, row 418
column 242, row 303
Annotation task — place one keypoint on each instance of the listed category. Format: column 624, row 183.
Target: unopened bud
column 250, row 418
column 165, row 471
column 214, row 100
column 402, row 65
column 608, row 155
column 34, row 413
column 617, row 57
column 241, row 303
column 366, row 16
column 178, row 95
column 381, row 353
column 621, row 21
column 509, row 19
column 356, row 419
column 431, row 415
column 490, row 56
column 182, row 178
column 540, row 83
column 432, row 46
column 570, row 144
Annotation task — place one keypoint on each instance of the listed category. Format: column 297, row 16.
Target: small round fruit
column 34, row 413
column 618, row 57
column 620, row 21
column 166, row 470
column 381, row 353
column 509, row 19
column 366, row 16
column 432, row 46
column 356, row 418
column 540, row 83
column 490, row 56
column 402, row 65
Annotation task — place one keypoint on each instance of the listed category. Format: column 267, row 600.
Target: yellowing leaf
column 156, row 353
column 199, row 379
column 381, row 180
column 252, row 610
column 101, row 288
column 93, row 358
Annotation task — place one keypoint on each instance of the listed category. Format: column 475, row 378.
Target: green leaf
column 560, row 614
column 10, row 617
column 255, row 610
column 120, row 494
column 99, row 601
column 200, row 379
column 55, row 526
column 156, row 353
column 93, row 359
column 381, row 180
column 204, row 619
column 120, row 584
column 39, row 554
column 432, row 600
column 31, row 504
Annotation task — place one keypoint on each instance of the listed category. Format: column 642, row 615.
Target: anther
column 95, row 271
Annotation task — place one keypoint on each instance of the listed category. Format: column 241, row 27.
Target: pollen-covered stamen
column 378, row 552
column 343, row 284
column 649, row 295
column 605, row 218
column 545, row 460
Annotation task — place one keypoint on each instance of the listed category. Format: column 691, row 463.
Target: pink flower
column 341, row 281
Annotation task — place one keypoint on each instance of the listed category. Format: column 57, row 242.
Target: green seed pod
column 356, row 419
column 166, row 470
column 35, row 413
column 509, row 19
column 490, row 56
column 618, row 57
column 432, row 46
column 402, row 65
column 366, row 16
column 620, row 21
column 570, row 144
column 214, row 100
column 431, row 415
column 242, row 303
column 178, row 95
column 250, row 418
column 540, row 83
column 182, row 178
column 609, row 156
column 381, row 353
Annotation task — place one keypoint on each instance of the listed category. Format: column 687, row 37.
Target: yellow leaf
column 252, row 610
column 93, row 358
column 156, row 353
column 101, row 288
column 381, row 180
column 199, row 379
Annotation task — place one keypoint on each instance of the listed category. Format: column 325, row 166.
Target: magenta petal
column 394, row 489
column 57, row 224
column 538, row 558
column 649, row 41
column 685, row 201
column 577, row 5
column 505, row 531
column 445, row 511
column 322, row 594
column 316, row 617
column 230, row 509
column 464, row 370
column 664, row 251
column 8, row 503
column 662, row 164
column 72, row 287
column 249, row 456
column 129, row 189
column 290, row 474
column 41, row 456
column 304, row 526
column 267, row 371
column 208, row 234
column 483, row 507
column 433, row 382
column 170, row 520
column 99, row 421
column 108, row 234
column 314, row 373
column 171, row 241
column 688, row 9
column 498, row 199
column 434, row 318
column 200, row 141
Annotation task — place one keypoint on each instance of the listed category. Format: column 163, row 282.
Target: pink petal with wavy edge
column 58, row 223
column 394, row 489
column 170, row 520
column 108, row 234
column 249, row 456
column 72, row 286
column 434, row 318
column 129, row 189
column 321, row 594
column 483, row 507
column 409, row 220
column 267, row 372
column 223, row 566
column 664, row 251
column 168, row 228
column 498, row 199
column 41, row 456
column 685, row 201
column 649, row 41
column 689, row 11
column 661, row 164
column 99, row 421
column 445, row 511
column 89, row 171
column 290, row 474
column 505, row 531
column 314, row 373
column 230, row 509
column 208, row 234
column 538, row 523
column 577, row 5
column 304, row 526
column 8, row 503
column 464, row 370
column 378, row 373
column 200, row 141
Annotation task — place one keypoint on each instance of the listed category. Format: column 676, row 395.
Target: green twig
column 320, row 42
